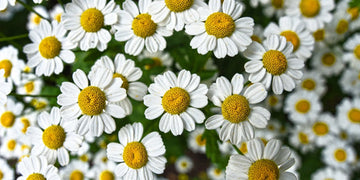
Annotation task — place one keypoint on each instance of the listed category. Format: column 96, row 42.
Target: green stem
column 13, row 37
column 29, row 8
column 237, row 150
column 28, row 95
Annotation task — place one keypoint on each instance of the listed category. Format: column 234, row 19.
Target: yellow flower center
column 320, row 128
column 319, row 35
column 176, row 100
column 354, row 12
column 92, row 20
column 27, row 69
column 92, row 101
column 36, row 176
column 274, row 62
column 243, row 148
column 235, row 108
column 54, row 137
column 340, row 155
column 200, row 140
column 104, row 159
column 292, row 37
column 302, row 106
column 135, row 155
column 29, row 87
column 342, row 26
column 217, row 171
column 303, row 138
column 7, row 66
column 156, row 62
column 179, row 5
column 256, row 38
column 125, row 83
column 11, row 145
column 106, row 175
column 76, row 175
column 184, row 164
column 7, row 119
column 310, row 8
column 354, row 115
column 1, row 175
column 308, row 84
column 143, row 26
column 263, row 169
column 220, row 25
column 273, row 100
column 25, row 147
column 50, row 47
column 36, row 19
column 328, row 59
column 343, row 135
column 58, row 17
column 277, row 4
column 357, row 51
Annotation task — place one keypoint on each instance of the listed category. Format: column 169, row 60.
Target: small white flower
column 329, row 173
column 4, row 4
column 10, row 63
column 34, row 19
column 9, row 114
column 184, row 164
column 6, row 88
column 37, row 167
column 352, row 51
column 312, row 81
column 339, row 154
column 348, row 115
column 76, row 169
column 6, row 171
column 328, row 61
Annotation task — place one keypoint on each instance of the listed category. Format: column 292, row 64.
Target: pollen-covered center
column 303, row 138
column 354, row 12
column 310, row 8
column 340, row 155
column 354, row 115
column 106, row 175
column 342, row 26
column 1, row 175
column 36, row 176
column 277, row 4
column 328, row 59
column 292, row 37
column 357, row 51
column 92, row 20
column 200, row 140
column 58, row 17
column 11, row 145
column 178, row 5
column 77, row 175
column 302, row 106
column 92, row 101
column 156, row 62
column 220, row 25
column 29, row 87
column 319, row 35
column 135, row 155
column 50, row 47
column 36, row 19
column 274, row 62
column 273, row 100
column 7, row 119
column 143, row 26
column 320, row 128
column 263, row 169
column 256, row 38
column 54, row 137
column 308, row 84
column 7, row 66
column 235, row 108
column 176, row 100
column 243, row 148
column 125, row 83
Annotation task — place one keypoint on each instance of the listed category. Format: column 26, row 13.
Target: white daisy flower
column 270, row 161
column 29, row 85
column 100, row 157
column 239, row 113
column 37, row 167
column 348, row 115
column 294, row 30
column 55, row 138
column 302, row 106
column 159, row 59
column 339, row 154
column 86, row 21
column 215, row 173
column 312, row 81
column 329, row 173
column 138, row 158
column 94, row 103
column 176, row 13
column 319, row 37
column 6, row 172
column 9, row 114
column 352, row 11
column 324, row 128
column 56, row 12
column 10, row 146
column 76, row 169
column 184, row 164
column 258, row 34
column 302, row 138
column 6, row 88
column 315, row 13
column 255, row 3
column 274, row 101
column 350, row 82
column 129, row 74
column 180, row 97
column 275, row 7
column 23, row 123
column 196, row 142
column 104, row 171
column 138, row 28
column 4, row 4
column 34, row 19
column 338, row 27
column 221, row 29
column 328, row 61
column 352, row 54
column 274, row 63
column 10, row 62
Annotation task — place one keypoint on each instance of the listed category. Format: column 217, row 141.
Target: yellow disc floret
column 176, row 100
column 58, row 17
column 7, row 66
column 320, row 128
column 76, row 175
column 274, row 62
column 92, row 101
column 273, row 100
column 354, row 115
column 36, row 176
column 243, row 148
column 220, row 25
column 263, row 169
column 178, row 5
column 292, row 37
column 256, row 38
column 302, row 106
column 156, row 62
column 135, row 155
column 200, row 140
column 308, row 84
column 354, row 12
column 36, row 19
column 7, row 119
column 277, row 4
column 319, row 35
column 303, row 138
column 1, row 175
column 54, row 137
column 310, row 8
column 11, row 145
column 342, row 26
column 143, row 26
column 106, row 175
column 29, row 87
column 235, row 108
column 125, row 83
column 50, row 47
column 92, row 20
column 328, row 59
column 357, row 51
column 340, row 155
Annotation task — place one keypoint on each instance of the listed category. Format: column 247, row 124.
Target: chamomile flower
column 271, row 161
column 37, row 167
column 10, row 62
column 324, row 128
column 4, row 4
column 6, row 172
column 348, row 115
column 274, row 101
column 329, row 173
column 328, row 61
column 76, row 169
column 337, row 28
column 221, row 29
column 35, row 19
column 9, row 114
column 129, row 74
column 258, row 34
column 354, row 23
column 29, row 85
column 159, row 59
column 105, row 171
column 6, row 88
column 312, row 81
column 23, row 123
column 315, row 13
column 174, row 13
column 274, row 64
column 8, row 13
column 350, row 82
column 180, row 97
column 56, row 12
column 10, row 146
column 302, row 106
column 138, row 28
column 239, row 110
column 215, row 173
column 302, row 138
column 94, row 103
column 55, row 137
column 86, row 21
column 196, row 142
column 275, row 7
column 339, row 154
column 138, row 158
column 184, row 164
column 352, row 51
column 294, row 30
